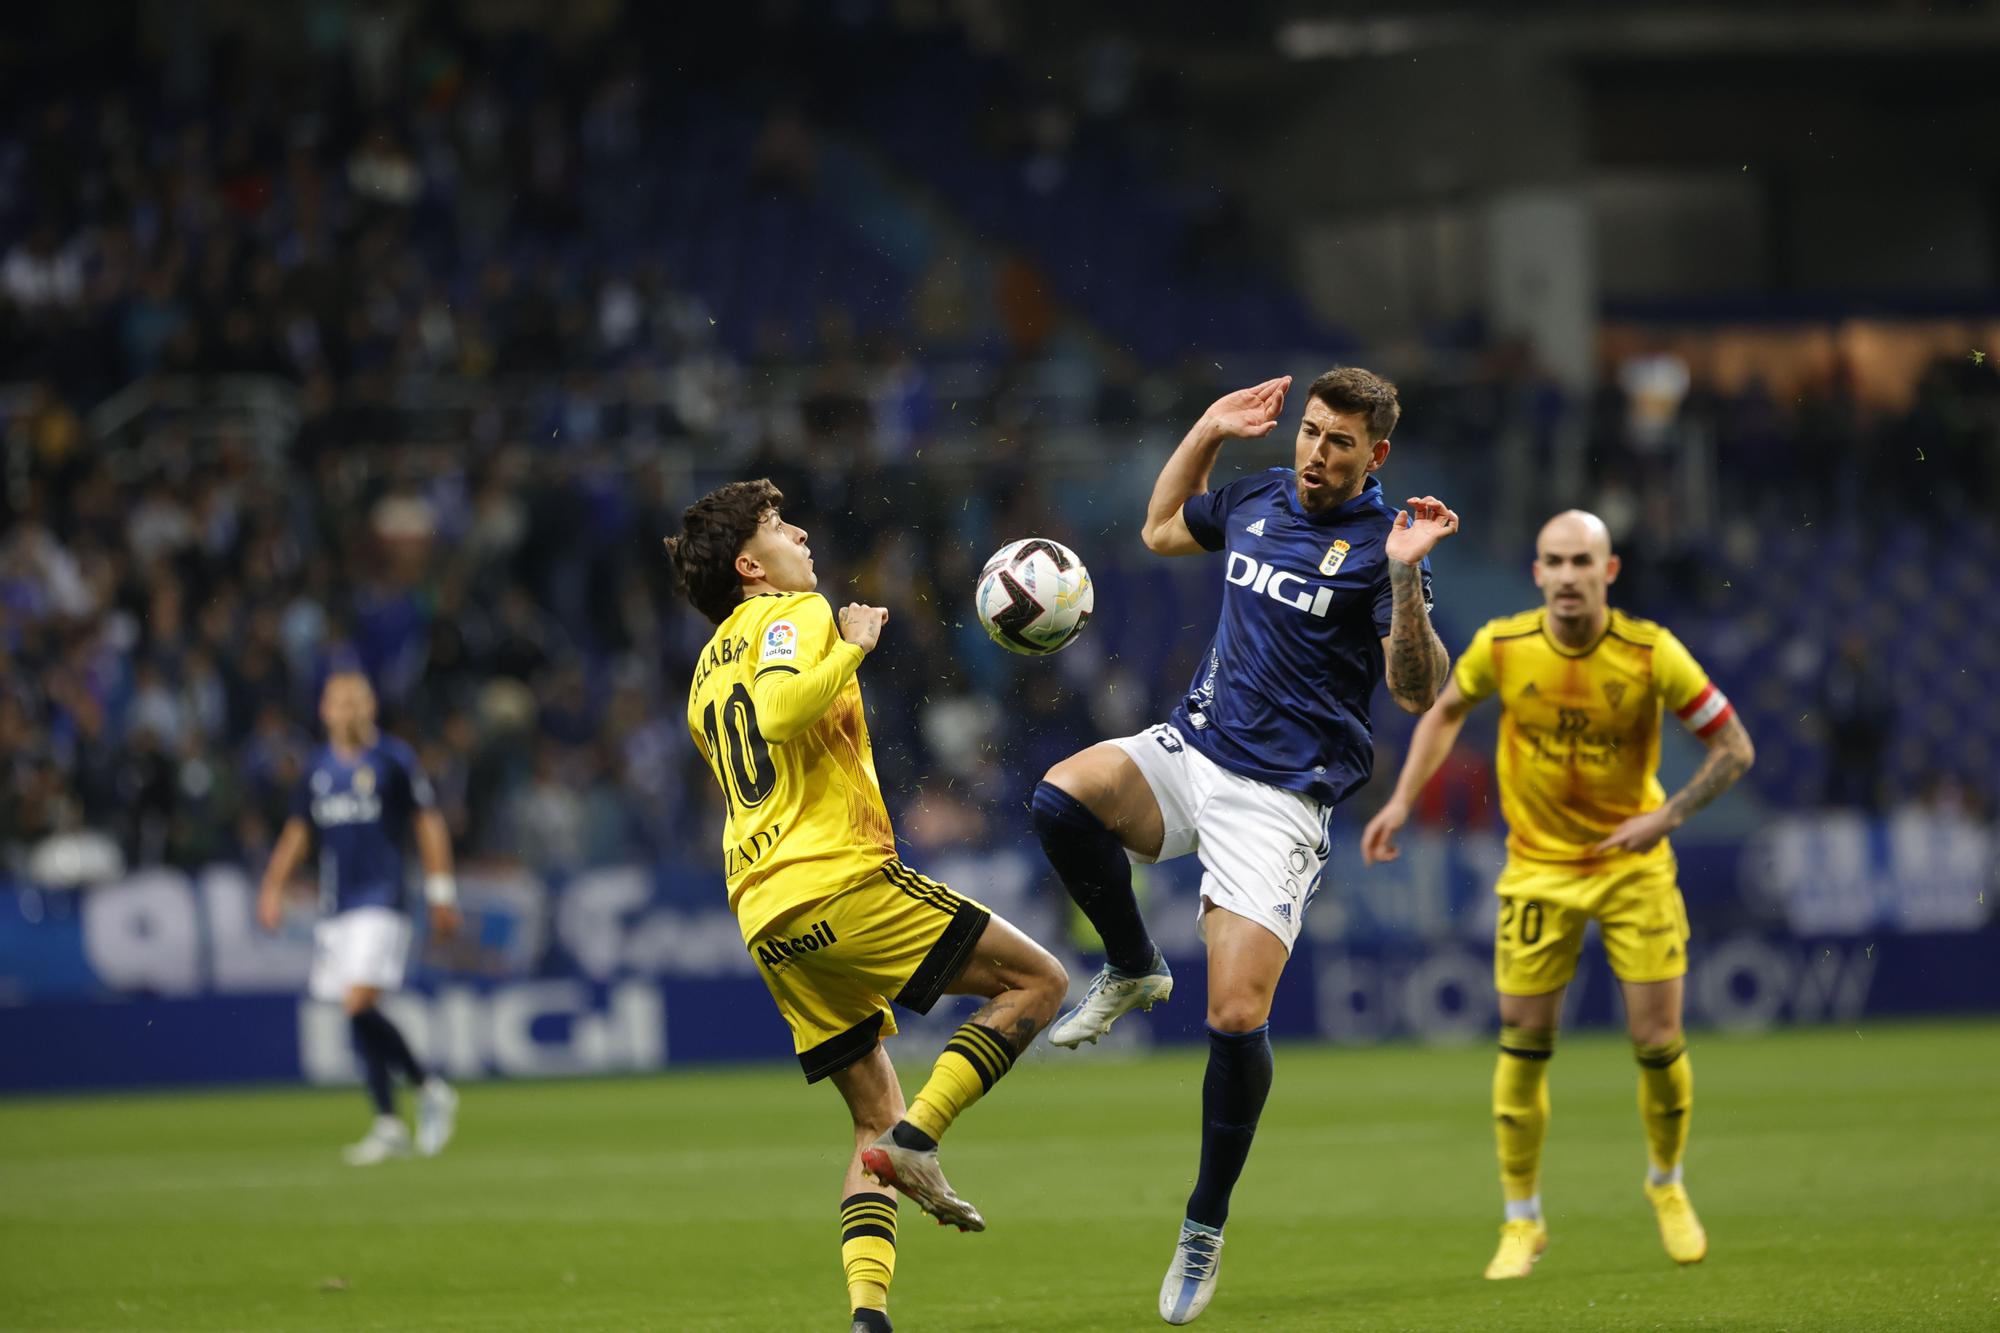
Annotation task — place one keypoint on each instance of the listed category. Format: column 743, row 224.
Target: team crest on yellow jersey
column 1336, row 556
column 1614, row 691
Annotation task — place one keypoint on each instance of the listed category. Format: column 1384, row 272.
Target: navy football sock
column 1092, row 864
column 374, row 1063
column 1232, row 1097
column 394, row 1049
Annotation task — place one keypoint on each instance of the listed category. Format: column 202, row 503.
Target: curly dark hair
column 713, row 532
column 1351, row 389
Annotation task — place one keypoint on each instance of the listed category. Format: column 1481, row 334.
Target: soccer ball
column 1034, row 596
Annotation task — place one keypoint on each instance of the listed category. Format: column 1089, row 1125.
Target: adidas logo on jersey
column 1256, row 529
column 1280, row 585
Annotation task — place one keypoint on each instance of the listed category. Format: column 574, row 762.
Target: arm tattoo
column 1728, row 759
column 1417, row 659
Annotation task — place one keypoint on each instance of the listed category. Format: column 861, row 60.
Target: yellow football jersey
column 776, row 711
column 1579, row 745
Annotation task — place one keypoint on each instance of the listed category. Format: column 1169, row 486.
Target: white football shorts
column 365, row 947
column 1262, row 848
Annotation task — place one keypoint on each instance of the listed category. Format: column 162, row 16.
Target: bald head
column 1574, row 568
column 1573, row 529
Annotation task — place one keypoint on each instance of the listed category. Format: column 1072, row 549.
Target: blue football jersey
column 1283, row 695
column 361, row 810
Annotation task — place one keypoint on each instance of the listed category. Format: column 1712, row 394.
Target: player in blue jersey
column 363, row 796
column 1326, row 589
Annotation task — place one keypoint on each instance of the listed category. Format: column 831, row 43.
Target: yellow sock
column 971, row 1063
column 1521, row 1109
column 868, row 1248
column 1666, row 1101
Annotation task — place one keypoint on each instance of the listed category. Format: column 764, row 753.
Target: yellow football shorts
column 834, row 967
column 1544, row 909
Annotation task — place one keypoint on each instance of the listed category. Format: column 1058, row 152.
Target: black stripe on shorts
column 946, row 959
column 837, row 1053
column 926, row 891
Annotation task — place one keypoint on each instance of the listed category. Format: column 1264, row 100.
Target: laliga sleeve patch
column 781, row 642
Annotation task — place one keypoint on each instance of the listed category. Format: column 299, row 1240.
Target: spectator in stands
column 170, row 593
column 1859, row 712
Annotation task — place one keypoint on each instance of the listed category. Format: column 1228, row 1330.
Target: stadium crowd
column 174, row 584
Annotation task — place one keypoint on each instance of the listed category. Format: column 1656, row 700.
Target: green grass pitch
column 1848, row 1180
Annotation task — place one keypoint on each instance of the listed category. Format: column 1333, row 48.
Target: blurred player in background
column 1581, row 688
column 362, row 797
column 1326, row 591
column 839, row 927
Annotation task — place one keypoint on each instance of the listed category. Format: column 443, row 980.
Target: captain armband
column 1708, row 712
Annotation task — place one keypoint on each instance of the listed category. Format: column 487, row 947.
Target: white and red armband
column 1708, row 712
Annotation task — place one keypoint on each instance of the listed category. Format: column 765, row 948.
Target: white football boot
column 437, row 1115
column 1111, row 996
column 389, row 1138
column 1190, row 1280
column 916, row 1173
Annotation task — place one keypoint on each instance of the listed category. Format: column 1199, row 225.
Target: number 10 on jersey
column 736, row 749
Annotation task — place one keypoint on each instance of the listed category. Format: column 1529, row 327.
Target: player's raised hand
column 1420, row 527
column 1378, row 840
column 1252, row 413
column 862, row 625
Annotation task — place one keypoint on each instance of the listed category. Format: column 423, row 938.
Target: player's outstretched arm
column 1247, row 414
column 440, row 888
column 1730, row 755
column 286, row 854
column 790, row 700
column 1429, row 744
column 1415, row 663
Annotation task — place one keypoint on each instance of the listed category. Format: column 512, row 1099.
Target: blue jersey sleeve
column 1385, row 595
column 417, row 790
column 1207, row 514
column 302, row 798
